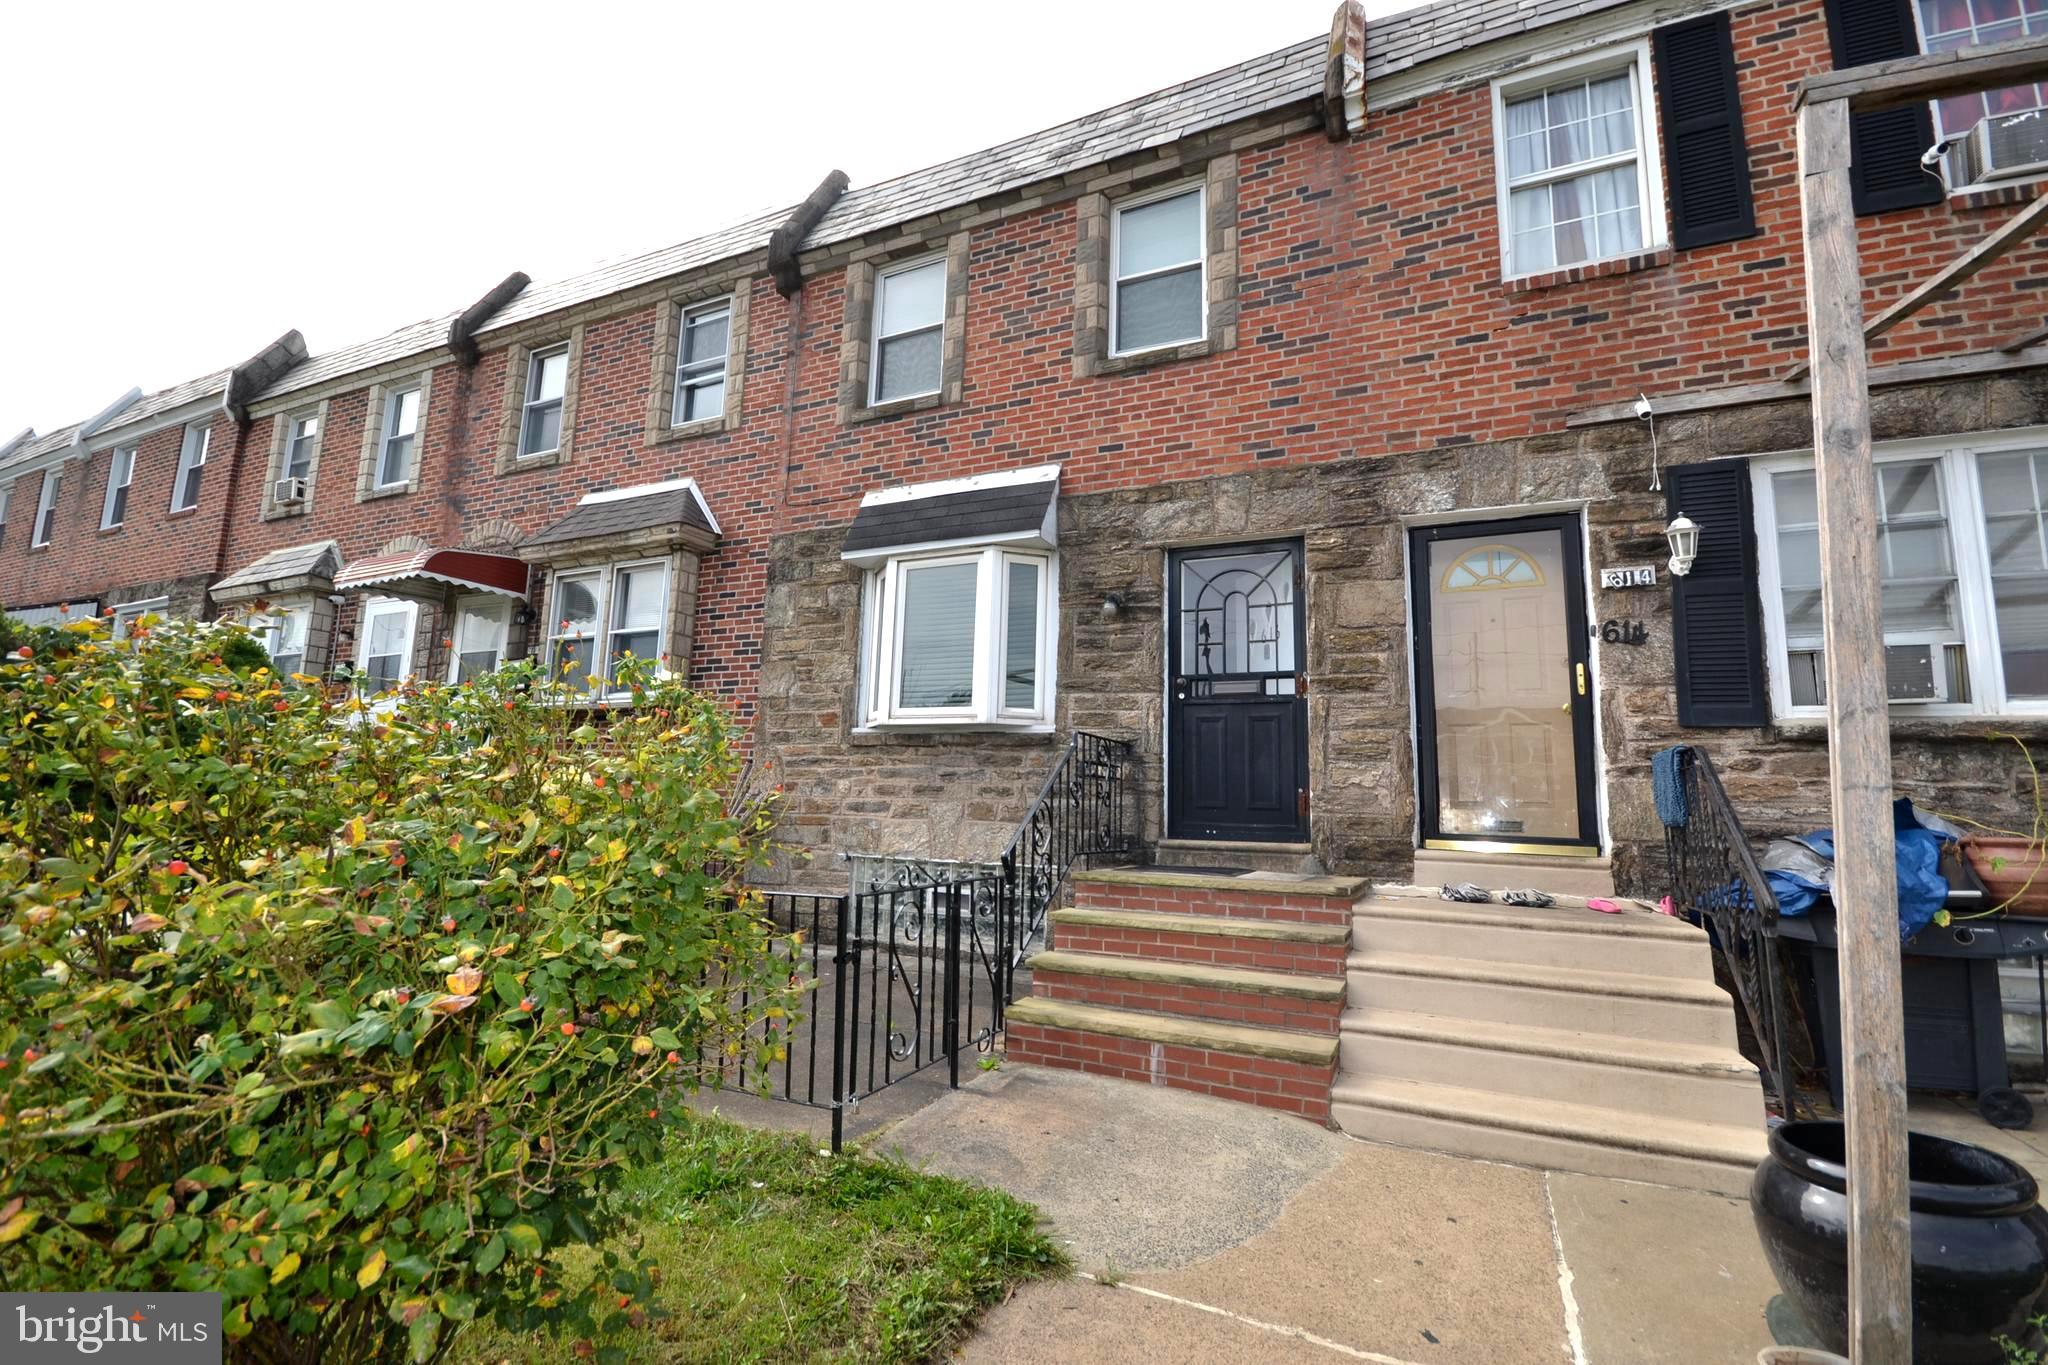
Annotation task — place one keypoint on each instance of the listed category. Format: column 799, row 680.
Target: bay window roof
column 295, row 568
column 644, row 517
column 1016, row 506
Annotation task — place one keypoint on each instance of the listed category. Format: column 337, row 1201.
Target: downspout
column 462, row 344
column 245, row 381
column 787, row 270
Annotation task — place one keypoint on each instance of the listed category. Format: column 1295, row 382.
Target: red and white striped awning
column 461, row 568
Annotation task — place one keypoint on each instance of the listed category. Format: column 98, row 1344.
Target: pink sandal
column 1603, row 905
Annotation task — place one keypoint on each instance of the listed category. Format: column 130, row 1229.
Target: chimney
column 1344, row 74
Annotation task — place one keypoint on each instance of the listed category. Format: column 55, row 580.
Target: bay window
column 482, row 625
column 385, row 658
column 960, row 638
column 128, row 615
column 286, row 628
column 602, row 615
column 1962, row 550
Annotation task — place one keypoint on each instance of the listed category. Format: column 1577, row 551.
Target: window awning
column 470, row 569
column 621, row 520
column 1014, row 507
column 295, row 568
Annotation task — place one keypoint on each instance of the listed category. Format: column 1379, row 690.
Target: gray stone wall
column 959, row 796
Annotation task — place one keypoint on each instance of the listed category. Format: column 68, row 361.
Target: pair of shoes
column 1535, row 900
column 1465, row 891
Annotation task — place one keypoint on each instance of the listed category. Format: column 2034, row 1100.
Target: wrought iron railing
column 1081, row 814
column 1716, row 883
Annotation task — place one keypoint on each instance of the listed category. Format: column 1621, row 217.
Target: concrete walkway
column 1217, row 1232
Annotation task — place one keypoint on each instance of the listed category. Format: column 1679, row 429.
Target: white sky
column 181, row 183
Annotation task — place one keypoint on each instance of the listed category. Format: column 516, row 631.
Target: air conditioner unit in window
column 1915, row 673
column 2003, row 147
column 286, row 491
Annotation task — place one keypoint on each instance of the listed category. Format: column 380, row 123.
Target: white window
column 910, row 326
column 120, row 473
column 1160, row 260
column 285, row 630
column 962, row 638
column 701, row 363
column 1576, row 164
column 482, row 626
column 300, row 442
column 602, row 615
column 401, row 436
column 6, row 502
column 384, row 658
column 128, row 615
column 2015, row 140
column 46, row 510
column 547, row 379
column 1963, row 552
column 191, row 465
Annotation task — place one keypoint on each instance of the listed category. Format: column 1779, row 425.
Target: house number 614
column 1623, row 632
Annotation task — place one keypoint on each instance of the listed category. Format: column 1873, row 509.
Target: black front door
column 1503, row 686
column 1237, row 705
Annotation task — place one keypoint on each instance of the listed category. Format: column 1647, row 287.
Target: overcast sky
column 181, row 183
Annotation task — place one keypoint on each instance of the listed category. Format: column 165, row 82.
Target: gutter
column 784, row 241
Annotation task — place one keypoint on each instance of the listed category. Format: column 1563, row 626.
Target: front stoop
column 1232, row 986
column 1559, row 1038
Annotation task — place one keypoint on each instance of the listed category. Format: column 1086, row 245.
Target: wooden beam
column 1945, row 281
column 2032, row 337
column 1932, row 76
column 1859, row 752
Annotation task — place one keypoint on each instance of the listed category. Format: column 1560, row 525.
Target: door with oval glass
column 1504, row 696
column 1237, row 701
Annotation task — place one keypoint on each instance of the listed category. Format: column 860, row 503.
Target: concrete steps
column 1497, row 871
column 1200, row 853
column 1556, row 1037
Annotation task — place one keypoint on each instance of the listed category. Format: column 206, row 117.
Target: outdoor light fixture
column 1112, row 606
column 1684, row 535
column 527, row 615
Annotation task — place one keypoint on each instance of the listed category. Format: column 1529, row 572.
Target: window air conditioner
column 1915, row 673
column 288, row 491
column 2004, row 147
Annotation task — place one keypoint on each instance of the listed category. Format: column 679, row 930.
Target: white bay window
column 964, row 637
column 483, row 624
column 286, row 628
column 604, row 614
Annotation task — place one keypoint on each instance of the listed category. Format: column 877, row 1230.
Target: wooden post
column 1859, row 751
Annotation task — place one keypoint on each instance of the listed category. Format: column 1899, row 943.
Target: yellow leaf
column 178, row 807
column 13, row 1228
column 286, row 1268
column 356, row 832
column 371, row 1271
column 195, row 693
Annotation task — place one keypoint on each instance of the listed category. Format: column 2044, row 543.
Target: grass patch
column 769, row 1251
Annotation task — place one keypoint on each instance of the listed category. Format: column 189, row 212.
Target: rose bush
column 355, row 1015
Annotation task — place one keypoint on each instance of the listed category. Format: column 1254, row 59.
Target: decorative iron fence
column 1715, row 881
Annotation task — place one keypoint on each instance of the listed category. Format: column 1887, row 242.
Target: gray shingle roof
column 1007, row 509
column 315, row 559
column 163, row 400
column 1412, row 37
column 606, row 515
column 415, row 338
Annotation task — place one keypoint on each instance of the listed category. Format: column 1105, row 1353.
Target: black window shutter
column 1718, row 637
column 1706, row 161
column 1885, row 146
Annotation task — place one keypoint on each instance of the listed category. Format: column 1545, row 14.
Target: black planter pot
column 1980, row 1240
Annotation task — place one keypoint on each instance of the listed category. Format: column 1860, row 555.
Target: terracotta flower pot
column 2006, row 864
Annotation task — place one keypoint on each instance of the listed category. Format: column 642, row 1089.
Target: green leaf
column 490, row 1255
column 506, row 985
column 243, row 1141
column 329, row 1014
column 524, row 1237
column 130, row 1238
column 666, row 1038
column 421, row 1336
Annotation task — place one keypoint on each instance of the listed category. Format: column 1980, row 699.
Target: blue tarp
column 1922, row 888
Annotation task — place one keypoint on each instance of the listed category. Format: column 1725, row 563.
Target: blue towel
column 1667, row 780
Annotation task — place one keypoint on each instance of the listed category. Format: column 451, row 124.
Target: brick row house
column 1282, row 422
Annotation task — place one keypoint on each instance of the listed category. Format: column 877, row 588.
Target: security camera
column 1643, row 407
column 1930, row 160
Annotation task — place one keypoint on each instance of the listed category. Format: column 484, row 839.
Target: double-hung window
column 286, row 629
column 910, row 326
column 2014, row 141
column 6, row 504
column 120, row 474
column 482, row 624
column 701, row 362
column 300, row 442
column 385, row 658
column 547, row 380
column 46, row 510
column 960, row 638
column 191, row 465
column 604, row 614
column 401, row 436
column 1576, row 165
column 1962, row 550
column 1158, row 244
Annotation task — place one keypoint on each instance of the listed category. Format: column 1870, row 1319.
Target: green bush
column 354, row 1014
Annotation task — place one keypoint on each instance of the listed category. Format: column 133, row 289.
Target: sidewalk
column 1218, row 1232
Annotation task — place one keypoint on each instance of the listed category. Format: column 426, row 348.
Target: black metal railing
column 1081, row 814
column 1716, row 883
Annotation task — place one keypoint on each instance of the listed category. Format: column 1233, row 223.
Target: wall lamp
column 1112, row 606
column 1683, row 534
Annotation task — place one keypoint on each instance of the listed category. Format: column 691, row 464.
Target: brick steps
column 1225, row 994
column 1317, row 900
column 1223, row 940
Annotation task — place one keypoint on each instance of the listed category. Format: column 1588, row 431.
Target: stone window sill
column 884, row 732
column 1158, row 355
column 877, row 412
column 111, row 530
column 1592, row 270
column 689, row 431
column 375, row 494
column 2000, row 195
column 182, row 512
column 2032, row 727
column 287, row 511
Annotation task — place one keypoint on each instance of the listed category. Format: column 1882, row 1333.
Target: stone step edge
column 1617, row 1050
column 1244, row 980
column 1281, row 1045
column 1321, row 888
column 1722, row 1143
column 1563, row 980
column 1221, row 926
column 1568, row 916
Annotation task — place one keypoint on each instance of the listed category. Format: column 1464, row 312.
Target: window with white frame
column 701, row 363
column 604, row 614
column 910, row 325
column 128, row 615
column 1576, row 164
column 191, row 465
column 547, row 380
column 2009, row 145
column 46, row 510
column 960, row 638
column 301, row 440
column 483, row 624
column 384, row 656
column 6, row 505
column 120, row 474
column 1962, row 549
column 1159, row 259
column 401, row 436
column 286, row 627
